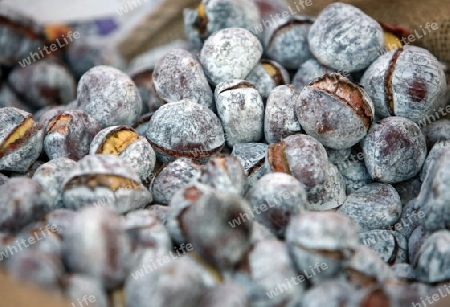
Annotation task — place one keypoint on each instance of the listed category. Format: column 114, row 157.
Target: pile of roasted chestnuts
column 299, row 161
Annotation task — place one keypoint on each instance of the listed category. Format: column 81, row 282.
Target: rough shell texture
column 391, row 246
column 98, row 246
column 322, row 231
column 436, row 132
column 43, row 84
column 173, row 177
column 404, row 271
column 434, row 256
column 22, row 153
column 241, row 111
column 434, row 195
column 230, row 54
column 185, row 129
column 343, row 37
column 335, row 111
column 355, row 175
column 23, row 201
column 178, row 283
column 224, row 173
column 408, row 82
column 279, row 118
column 374, row 206
column 79, row 191
column 275, row 199
column 409, row 219
column 265, row 80
column 51, row 176
column 287, row 41
column 220, row 14
column 69, row 135
column 394, row 150
column 309, row 71
column 178, row 76
column 409, row 189
column 109, row 96
column 139, row 154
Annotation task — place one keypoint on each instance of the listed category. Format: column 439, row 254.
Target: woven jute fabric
column 166, row 24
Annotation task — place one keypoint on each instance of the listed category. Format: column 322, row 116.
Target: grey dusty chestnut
column 229, row 54
column 345, row 38
column 241, row 111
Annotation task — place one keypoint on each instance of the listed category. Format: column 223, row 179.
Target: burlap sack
column 166, row 24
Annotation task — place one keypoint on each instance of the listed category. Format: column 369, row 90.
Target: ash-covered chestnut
column 308, row 71
column 374, row 206
column 390, row 245
column 21, row 140
column 69, row 135
column 98, row 246
column 305, row 158
column 404, row 272
column 409, row 189
column 185, row 129
column 19, row 36
column 109, row 96
column 436, row 132
column 366, row 269
column 172, row 177
column 345, row 38
column 275, row 199
column 214, row 15
column 45, row 83
column 197, row 207
column 332, row 293
column 51, row 176
column 394, row 150
column 252, row 157
column 107, row 181
column 124, row 142
column 407, row 82
column 279, row 118
column 415, row 242
column 23, row 201
column 335, row 111
column 267, row 265
column 178, row 75
column 287, row 41
column 178, row 283
column 229, row 54
column 241, row 111
column 355, row 175
column 78, row 287
column 435, row 194
column 266, row 76
column 433, row 259
column 224, row 173
column 321, row 239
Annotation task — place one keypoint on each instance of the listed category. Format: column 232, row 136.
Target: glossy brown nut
column 21, row 140
column 335, row 111
column 69, row 135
